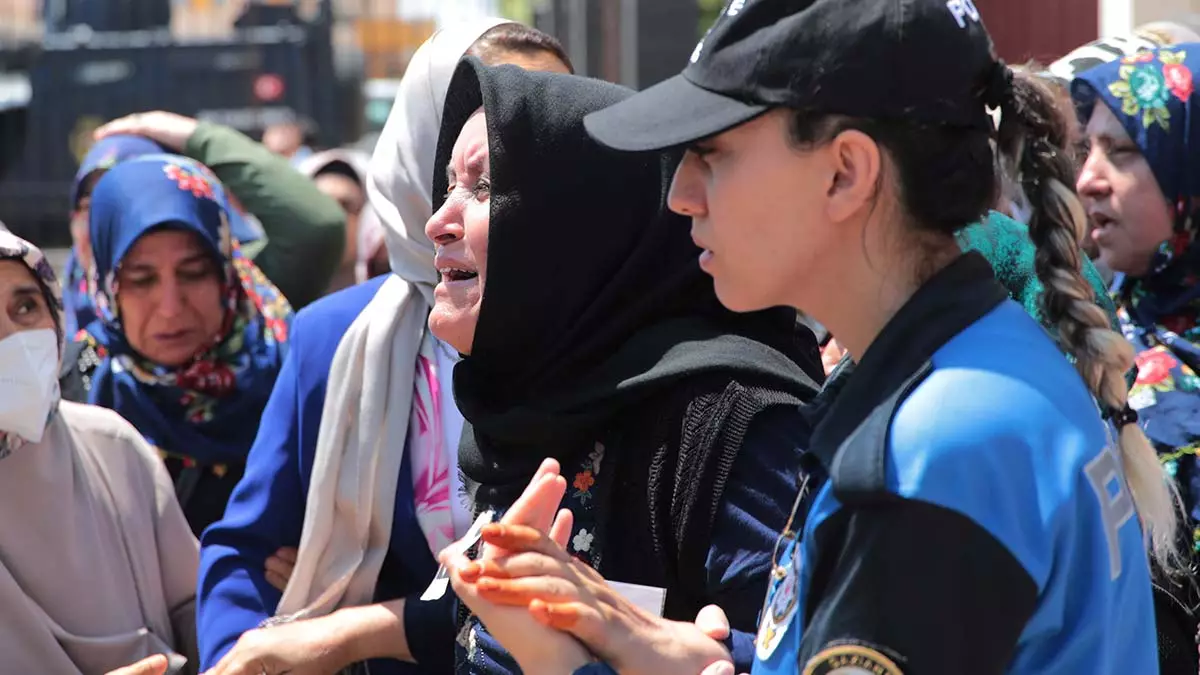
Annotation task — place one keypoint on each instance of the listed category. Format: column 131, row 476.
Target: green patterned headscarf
column 1006, row 244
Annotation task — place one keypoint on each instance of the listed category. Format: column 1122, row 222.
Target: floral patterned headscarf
column 13, row 247
column 209, row 408
column 1152, row 93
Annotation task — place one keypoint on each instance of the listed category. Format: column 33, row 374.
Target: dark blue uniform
column 976, row 519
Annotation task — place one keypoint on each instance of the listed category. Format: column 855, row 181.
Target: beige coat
column 97, row 563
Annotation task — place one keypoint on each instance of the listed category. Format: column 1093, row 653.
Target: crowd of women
column 538, row 387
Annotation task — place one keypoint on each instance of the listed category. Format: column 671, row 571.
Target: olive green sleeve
column 305, row 229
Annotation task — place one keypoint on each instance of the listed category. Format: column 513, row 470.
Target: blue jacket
column 976, row 519
column 266, row 510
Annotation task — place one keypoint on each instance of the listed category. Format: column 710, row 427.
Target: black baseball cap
column 921, row 60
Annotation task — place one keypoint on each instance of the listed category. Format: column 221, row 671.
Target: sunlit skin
column 170, row 297
column 280, row 566
column 818, row 228
column 778, row 223
column 24, row 303
column 455, row 324
column 459, row 230
column 1130, row 214
column 742, row 177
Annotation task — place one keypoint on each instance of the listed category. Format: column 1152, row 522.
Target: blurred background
column 328, row 69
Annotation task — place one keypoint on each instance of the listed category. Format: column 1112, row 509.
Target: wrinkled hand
column 154, row 665
column 167, row 129
column 280, row 566
column 538, row 649
column 564, row 593
column 311, row 647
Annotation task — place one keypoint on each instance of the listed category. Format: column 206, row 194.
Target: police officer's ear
column 856, row 167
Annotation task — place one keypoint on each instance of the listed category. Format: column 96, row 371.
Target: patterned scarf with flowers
column 206, row 411
column 1152, row 94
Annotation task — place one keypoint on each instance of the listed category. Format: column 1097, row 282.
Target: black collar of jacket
column 857, row 405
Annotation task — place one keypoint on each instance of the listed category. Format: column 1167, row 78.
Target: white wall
column 1118, row 16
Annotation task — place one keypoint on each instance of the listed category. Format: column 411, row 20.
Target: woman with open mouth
column 353, row 487
column 590, row 335
column 989, row 503
column 1139, row 183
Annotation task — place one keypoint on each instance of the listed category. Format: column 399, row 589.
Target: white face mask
column 28, row 382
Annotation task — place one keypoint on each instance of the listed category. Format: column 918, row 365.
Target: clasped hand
column 525, row 578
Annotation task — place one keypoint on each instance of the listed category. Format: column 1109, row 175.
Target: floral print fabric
column 208, row 409
column 1151, row 93
column 433, row 484
column 1148, row 81
column 478, row 653
column 1166, row 394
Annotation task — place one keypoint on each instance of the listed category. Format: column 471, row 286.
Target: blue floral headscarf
column 1153, row 93
column 104, row 155
column 207, row 410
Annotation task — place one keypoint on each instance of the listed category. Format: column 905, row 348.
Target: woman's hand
column 167, row 129
column 311, row 647
column 563, row 593
column 154, row 665
column 536, row 648
column 280, row 566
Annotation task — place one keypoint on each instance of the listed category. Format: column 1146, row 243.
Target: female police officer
column 982, row 514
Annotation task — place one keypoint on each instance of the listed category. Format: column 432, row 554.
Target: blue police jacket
column 976, row 519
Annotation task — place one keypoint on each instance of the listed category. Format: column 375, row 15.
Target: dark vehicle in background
column 273, row 67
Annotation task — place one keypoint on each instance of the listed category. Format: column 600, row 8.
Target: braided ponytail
column 1034, row 137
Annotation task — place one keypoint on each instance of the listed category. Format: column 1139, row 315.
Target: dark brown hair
column 517, row 38
column 948, row 179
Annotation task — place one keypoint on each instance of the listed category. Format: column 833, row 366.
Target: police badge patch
column 851, row 659
column 779, row 608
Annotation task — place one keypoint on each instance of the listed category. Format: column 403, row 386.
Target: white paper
column 647, row 598
column 441, row 581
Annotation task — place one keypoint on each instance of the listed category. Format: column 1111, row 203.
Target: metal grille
column 67, row 66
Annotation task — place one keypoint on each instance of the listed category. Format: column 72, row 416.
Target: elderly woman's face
column 1129, row 214
column 459, row 230
column 170, row 297
column 24, row 303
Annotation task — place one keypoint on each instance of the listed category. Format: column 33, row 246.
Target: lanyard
column 778, row 571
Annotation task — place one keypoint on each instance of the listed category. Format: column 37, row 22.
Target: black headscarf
column 594, row 299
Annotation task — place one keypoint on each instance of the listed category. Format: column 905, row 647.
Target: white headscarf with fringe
column 366, row 417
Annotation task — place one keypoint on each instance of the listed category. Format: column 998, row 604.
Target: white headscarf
column 401, row 180
column 365, row 420
column 355, row 159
